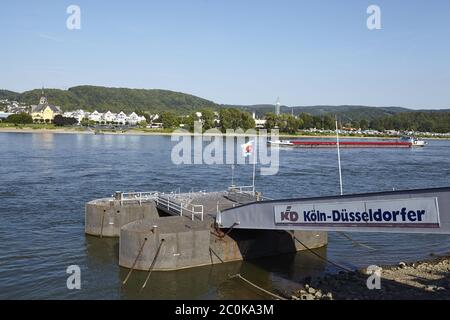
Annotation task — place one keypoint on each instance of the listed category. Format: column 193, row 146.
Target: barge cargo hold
column 348, row 144
column 352, row 144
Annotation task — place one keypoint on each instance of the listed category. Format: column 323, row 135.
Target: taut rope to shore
column 135, row 261
column 273, row 295
column 153, row 264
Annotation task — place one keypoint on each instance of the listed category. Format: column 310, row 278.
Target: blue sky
column 237, row 52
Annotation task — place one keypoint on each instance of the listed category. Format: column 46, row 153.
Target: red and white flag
column 247, row 149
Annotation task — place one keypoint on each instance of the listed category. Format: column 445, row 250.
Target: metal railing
column 263, row 198
column 248, row 190
column 166, row 202
column 140, row 197
column 241, row 189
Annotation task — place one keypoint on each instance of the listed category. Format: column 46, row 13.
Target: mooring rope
column 134, row 263
column 229, row 230
column 153, row 264
column 322, row 258
column 212, row 251
column 257, row 287
column 357, row 243
column 101, row 229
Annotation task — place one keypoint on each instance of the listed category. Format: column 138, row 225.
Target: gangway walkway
column 203, row 205
column 176, row 206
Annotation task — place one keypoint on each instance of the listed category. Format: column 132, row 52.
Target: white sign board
column 405, row 213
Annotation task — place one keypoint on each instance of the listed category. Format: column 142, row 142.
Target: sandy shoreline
column 146, row 133
column 424, row 280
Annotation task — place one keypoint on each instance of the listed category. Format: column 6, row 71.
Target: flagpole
column 339, row 157
column 232, row 175
column 254, row 168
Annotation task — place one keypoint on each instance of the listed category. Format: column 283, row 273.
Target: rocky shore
column 429, row 280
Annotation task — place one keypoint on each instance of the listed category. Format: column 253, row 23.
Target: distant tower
column 43, row 99
column 278, row 107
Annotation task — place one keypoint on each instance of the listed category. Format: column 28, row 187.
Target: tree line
column 233, row 118
column 25, row 118
column 230, row 118
column 436, row 121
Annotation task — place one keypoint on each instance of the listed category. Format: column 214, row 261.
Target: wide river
column 46, row 179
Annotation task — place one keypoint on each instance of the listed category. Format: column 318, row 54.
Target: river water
column 46, row 179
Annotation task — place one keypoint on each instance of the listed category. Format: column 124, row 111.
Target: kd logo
column 73, row 22
column 374, row 280
column 289, row 215
column 74, row 280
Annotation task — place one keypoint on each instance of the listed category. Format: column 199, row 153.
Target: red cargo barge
column 350, row 144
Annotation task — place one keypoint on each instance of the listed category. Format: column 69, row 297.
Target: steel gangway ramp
column 407, row 211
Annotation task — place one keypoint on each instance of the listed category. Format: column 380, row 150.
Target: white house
column 95, row 116
column 259, row 123
column 109, row 116
column 77, row 114
column 121, row 118
column 134, row 119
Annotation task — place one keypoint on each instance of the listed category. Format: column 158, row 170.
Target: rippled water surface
column 47, row 178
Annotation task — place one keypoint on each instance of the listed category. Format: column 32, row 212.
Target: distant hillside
column 10, row 95
column 115, row 99
column 153, row 100
column 345, row 112
column 353, row 112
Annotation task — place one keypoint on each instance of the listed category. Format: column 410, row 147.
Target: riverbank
column 150, row 132
column 79, row 131
column 424, row 280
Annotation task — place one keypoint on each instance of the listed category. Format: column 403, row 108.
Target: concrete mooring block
column 105, row 217
column 182, row 243
column 179, row 243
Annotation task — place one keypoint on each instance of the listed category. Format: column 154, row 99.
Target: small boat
column 414, row 141
column 281, row 143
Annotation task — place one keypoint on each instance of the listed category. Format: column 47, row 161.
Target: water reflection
column 279, row 274
column 43, row 141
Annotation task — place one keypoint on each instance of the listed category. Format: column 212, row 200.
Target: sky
column 317, row 52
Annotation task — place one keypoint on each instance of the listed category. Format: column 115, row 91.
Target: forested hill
column 114, row 99
column 153, row 100
column 10, row 95
column 344, row 112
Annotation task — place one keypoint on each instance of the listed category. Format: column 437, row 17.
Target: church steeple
column 43, row 99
